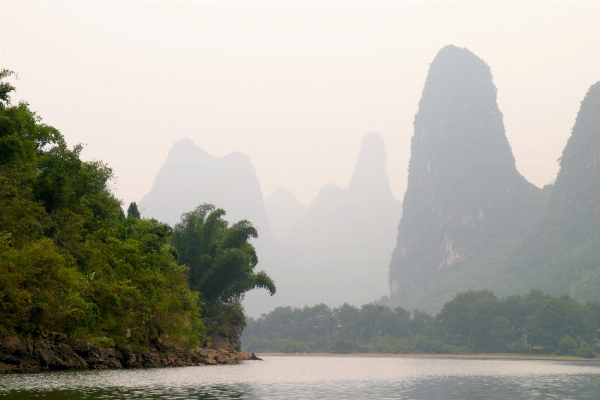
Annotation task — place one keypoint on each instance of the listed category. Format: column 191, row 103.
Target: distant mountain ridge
column 190, row 176
column 336, row 214
column 335, row 250
column 466, row 204
column 339, row 250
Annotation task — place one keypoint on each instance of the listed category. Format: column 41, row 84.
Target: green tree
column 593, row 308
column 557, row 318
column 132, row 211
column 422, row 323
column 5, row 88
column 567, row 346
column 220, row 257
column 515, row 310
column 474, row 318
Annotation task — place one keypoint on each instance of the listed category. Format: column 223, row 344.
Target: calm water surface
column 322, row 378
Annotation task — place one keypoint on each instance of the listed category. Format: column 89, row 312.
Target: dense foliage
column 69, row 259
column 474, row 321
column 221, row 261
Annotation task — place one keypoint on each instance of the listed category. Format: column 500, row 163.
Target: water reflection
column 321, row 377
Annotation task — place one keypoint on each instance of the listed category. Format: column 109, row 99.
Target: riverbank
column 492, row 356
column 56, row 352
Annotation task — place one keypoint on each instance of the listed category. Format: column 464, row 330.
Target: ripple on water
column 321, row 377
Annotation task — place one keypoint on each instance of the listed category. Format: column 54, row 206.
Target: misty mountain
column 562, row 255
column 466, row 205
column 365, row 211
column 190, row 176
column 339, row 250
column 283, row 211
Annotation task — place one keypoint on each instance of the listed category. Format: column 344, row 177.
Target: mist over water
column 323, row 378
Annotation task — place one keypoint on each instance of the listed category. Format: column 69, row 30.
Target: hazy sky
column 295, row 85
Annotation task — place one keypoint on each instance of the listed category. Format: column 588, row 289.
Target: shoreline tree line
column 472, row 322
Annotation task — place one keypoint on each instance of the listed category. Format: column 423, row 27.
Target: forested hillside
column 562, row 255
column 71, row 262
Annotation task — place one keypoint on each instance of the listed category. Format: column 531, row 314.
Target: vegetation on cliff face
column 472, row 322
column 466, row 205
column 562, row 255
column 471, row 221
column 71, row 262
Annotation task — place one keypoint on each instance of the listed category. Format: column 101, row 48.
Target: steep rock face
column 283, row 211
column 563, row 254
column 190, row 176
column 339, row 251
column 465, row 199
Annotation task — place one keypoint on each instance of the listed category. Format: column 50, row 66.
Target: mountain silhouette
column 465, row 203
column 190, row 177
column 339, row 250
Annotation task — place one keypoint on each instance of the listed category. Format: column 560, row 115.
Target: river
column 322, row 378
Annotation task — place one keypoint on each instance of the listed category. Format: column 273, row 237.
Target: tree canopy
column 69, row 261
column 132, row 211
column 220, row 257
column 472, row 322
column 5, row 88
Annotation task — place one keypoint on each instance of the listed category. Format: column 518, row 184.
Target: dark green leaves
column 5, row 88
column 220, row 257
column 132, row 211
column 69, row 260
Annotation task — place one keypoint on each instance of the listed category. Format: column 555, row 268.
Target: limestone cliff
column 465, row 199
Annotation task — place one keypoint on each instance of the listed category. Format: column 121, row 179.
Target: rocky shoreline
column 56, row 352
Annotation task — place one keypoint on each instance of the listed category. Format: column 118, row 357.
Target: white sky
column 295, row 85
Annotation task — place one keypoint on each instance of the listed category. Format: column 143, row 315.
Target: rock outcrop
column 56, row 352
column 465, row 202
